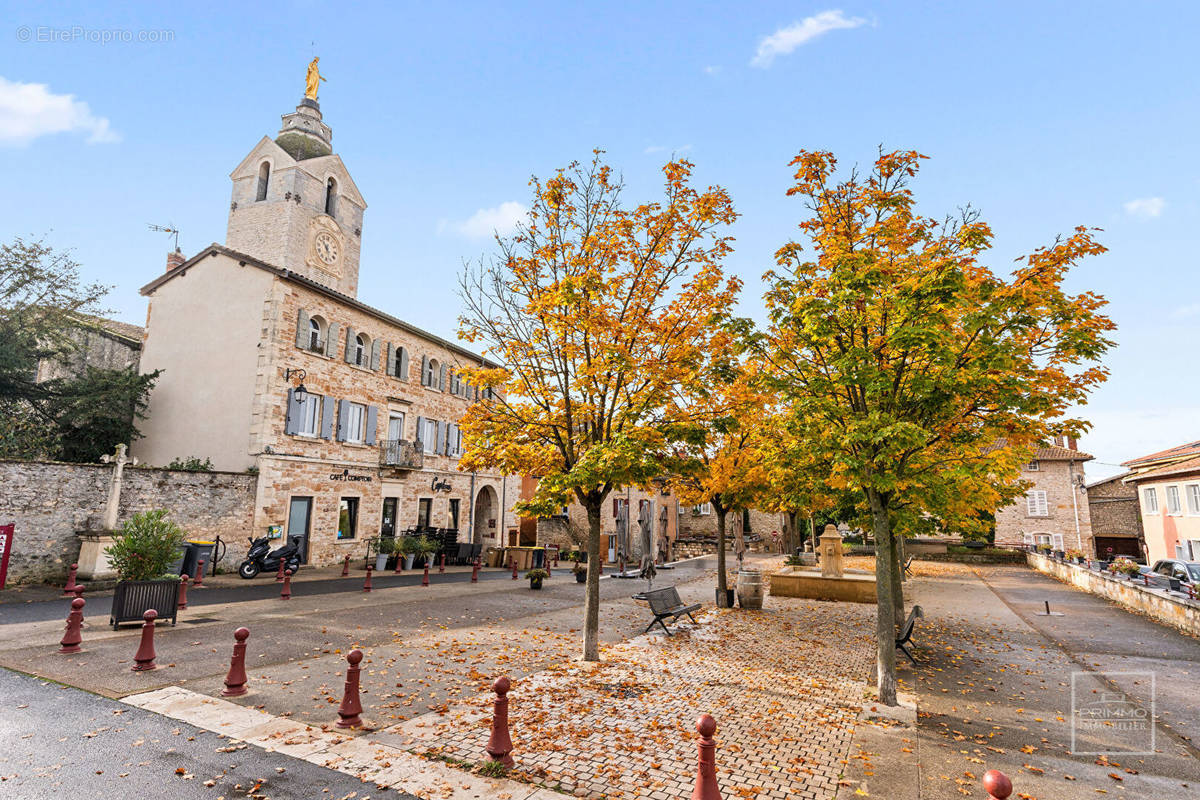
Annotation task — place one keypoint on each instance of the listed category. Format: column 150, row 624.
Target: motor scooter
column 261, row 558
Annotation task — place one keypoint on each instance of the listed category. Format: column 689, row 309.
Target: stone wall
column 50, row 501
column 1155, row 603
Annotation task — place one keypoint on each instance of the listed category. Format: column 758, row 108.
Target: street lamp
column 301, row 394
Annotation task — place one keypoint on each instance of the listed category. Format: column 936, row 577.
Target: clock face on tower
column 327, row 248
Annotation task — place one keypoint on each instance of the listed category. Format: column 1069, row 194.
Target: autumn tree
column 913, row 369
column 791, row 479
column 599, row 313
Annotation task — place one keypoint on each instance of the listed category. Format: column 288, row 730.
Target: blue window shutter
column 389, row 364
column 350, row 345
column 442, row 379
column 343, row 419
column 420, row 437
column 331, row 339
column 372, row 422
column 302, row 329
column 424, row 370
column 440, row 446
column 402, row 365
column 452, row 437
column 327, row 417
column 375, row 346
column 291, row 423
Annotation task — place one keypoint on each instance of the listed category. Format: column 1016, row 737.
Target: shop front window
column 348, row 518
column 424, row 509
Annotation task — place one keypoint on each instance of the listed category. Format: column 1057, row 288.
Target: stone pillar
column 831, row 553
column 114, row 488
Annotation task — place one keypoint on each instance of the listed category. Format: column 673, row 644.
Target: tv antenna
column 171, row 229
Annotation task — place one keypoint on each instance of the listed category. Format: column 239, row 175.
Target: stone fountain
column 831, row 581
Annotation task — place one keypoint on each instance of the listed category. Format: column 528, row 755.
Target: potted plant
column 536, row 576
column 1125, row 566
column 142, row 554
column 1075, row 555
column 382, row 550
column 408, row 546
column 580, row 572
column 1043, row 550
column 427, row 548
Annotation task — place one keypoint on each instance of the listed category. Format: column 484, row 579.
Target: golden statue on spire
column 311, row 79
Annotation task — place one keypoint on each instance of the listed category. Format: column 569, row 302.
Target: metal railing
column 316, row 344
column 401, row 454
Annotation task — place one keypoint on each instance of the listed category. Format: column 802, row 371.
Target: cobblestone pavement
column 785, row 685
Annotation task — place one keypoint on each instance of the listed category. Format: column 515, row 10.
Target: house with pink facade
column 1168, row 487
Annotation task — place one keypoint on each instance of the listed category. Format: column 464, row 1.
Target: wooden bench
column 906, row 633
column 665, row 604
column 908, row 565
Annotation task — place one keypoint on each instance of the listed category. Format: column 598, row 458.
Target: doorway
column 299, row 523
column 387, row 520
column 484, row 514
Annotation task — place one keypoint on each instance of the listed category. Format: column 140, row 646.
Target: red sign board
column 6, row 538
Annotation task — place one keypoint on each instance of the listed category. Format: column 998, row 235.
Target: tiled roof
column 1056, row 453
column 123, row 330
column 1185, row 467
column 1179, row 451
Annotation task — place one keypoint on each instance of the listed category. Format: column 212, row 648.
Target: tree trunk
column 885, row 620
column 591, row 607
column 722, row 584
column 897, row 581
column 793, row 537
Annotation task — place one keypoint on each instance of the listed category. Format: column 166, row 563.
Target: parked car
column 1186, row 572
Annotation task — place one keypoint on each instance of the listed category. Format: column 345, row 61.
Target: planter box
column 535, row 583
column 131, row 599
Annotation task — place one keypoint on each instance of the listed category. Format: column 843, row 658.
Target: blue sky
column 1044, row 116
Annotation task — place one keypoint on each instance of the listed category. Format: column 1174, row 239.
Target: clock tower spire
column 294, row 204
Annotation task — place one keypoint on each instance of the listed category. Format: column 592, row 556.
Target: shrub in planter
column 142, row 554
column 409, row 547
column 580, row 572
column 427, row 548
column 1075, row 555
column 536, row 576
column 1125, row 567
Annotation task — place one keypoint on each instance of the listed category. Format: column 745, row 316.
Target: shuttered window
column 1036, row 504
column 1150, row 500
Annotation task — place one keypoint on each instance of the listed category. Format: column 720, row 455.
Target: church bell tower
column 294, row 204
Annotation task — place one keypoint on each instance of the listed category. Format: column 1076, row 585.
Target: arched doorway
column 485, row 515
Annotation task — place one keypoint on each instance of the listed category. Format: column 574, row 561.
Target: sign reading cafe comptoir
column 345, row 475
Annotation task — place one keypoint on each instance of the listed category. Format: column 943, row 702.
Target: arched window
column 264, row 177
column 330, row 197
column 314, row 335
column 360, row 350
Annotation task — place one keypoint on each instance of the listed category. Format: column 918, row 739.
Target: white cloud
column 30, row 110
column 1145, row 207
column 785, row 40
column 712, row 69
column 1192, row 310
column 502, row 219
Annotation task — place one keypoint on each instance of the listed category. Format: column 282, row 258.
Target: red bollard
column 144, row 657
column 1145, row 579
column 79, row 587
column 70, row 587
column 556, row 556
column 399, row 563
column 514, row 565
column 235, row 680
column 72, row 638
column 346, row 566
column 442, row 566
column 425, row 577
column 706, row 772
column 475, row 571
column 499, row 746
column 351, row 707
column 996, row 784
column 286, row 591
column 182, row 603
column 367, row 582
column 279, row 572
column 199, row 581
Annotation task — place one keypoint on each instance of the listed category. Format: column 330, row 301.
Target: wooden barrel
column 750, row 588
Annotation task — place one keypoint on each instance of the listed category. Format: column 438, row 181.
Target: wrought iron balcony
column 401, row 454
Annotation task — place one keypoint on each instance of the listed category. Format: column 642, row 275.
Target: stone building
column 270, row 363
column 1116, row 519
column 1054, row 510
column 1168, row 487
column 99, row 343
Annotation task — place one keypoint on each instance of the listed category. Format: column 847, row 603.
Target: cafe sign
column 345, row 476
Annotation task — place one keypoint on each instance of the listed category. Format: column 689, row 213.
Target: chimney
column 1072, row 443
column 175, row 259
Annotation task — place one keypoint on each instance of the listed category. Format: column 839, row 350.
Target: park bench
column 665, row 604
column 908, row 565
column 906, row 633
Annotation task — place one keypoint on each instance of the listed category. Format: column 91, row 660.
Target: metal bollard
column 997, row 785
column 367, row 582
column 514, row 566
column 199, row 581
column 346, row 566
column 285, row 591
column 475, row 571
column 399, row 564
column 144, row 657
column 279, row 572
column 351, row 707
column 706, row 771
column 235, row 679
column 69, row 589
column 73, row 637
column 79, row 587
column 499, row 746
column 425, row 577
column 181, row 604
column 442, row 566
